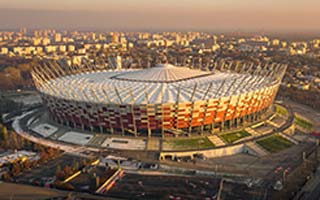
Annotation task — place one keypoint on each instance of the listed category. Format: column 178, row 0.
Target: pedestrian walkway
column 256, row 148
column 252, row 132
column 216, row 140
column 273, row 124
column 97, row 140
column 291, row 139
column 153, row 144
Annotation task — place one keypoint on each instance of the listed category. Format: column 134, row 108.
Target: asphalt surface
column 314, row 195
column 306, row 111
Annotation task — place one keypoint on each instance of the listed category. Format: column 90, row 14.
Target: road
column 75, row 150
column 307, row 112
column 315, row 194
column 13, row 191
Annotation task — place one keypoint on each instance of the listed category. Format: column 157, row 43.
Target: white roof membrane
column 153, row 85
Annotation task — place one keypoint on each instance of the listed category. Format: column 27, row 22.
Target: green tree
column 75, row 166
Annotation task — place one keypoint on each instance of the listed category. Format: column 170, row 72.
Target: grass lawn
column 303, row 123
column 234, row 136
column 275, row 143
column 281, row 110
column 194, row 143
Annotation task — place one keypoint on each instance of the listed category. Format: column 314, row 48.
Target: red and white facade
column 161, row 100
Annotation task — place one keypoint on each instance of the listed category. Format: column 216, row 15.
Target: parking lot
column 164, row 187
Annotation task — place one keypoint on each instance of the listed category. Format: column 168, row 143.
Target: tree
column 27, row 164
column 16, row 169
column 58, row 170
column 61, row 175
column 27, row 144
column 43, row 156
column 21, row 141
column 6, row 176
column 15, row 143
column 14, row 74
column 5, row 137
column 70, row 196
column 33, row 163
column 58, row 152
column 75, row 166
column 51, row 153
column 5, row 82
column 67, row 170
column 84, row 162
column 37, row 147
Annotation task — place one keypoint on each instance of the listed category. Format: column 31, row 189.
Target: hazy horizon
column 209, row 15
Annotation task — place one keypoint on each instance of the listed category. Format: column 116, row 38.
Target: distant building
column 57, row 37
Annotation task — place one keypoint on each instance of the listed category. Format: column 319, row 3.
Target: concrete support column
column 244, row 120
column 222, row 126
column 212, row 128
column 149, row 132
column 202, row 128
column 231, row 124
column 122, row 128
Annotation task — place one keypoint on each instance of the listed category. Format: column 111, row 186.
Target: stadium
column 158, row 101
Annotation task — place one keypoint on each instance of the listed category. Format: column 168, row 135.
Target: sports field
column 303, row 123
column 234, row 136
column 274, row 143
column 187, row 144
column 281, row 110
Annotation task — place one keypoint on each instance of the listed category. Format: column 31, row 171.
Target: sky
column 208, row 15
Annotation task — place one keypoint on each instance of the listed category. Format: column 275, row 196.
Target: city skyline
column 248, row 15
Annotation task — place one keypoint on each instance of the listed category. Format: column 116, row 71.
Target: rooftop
column 160, row 84
column 162, row 73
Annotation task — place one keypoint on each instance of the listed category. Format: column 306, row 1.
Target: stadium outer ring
column 203, row 116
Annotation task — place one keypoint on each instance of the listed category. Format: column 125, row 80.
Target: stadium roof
column 162, row 73
column 160, row 84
